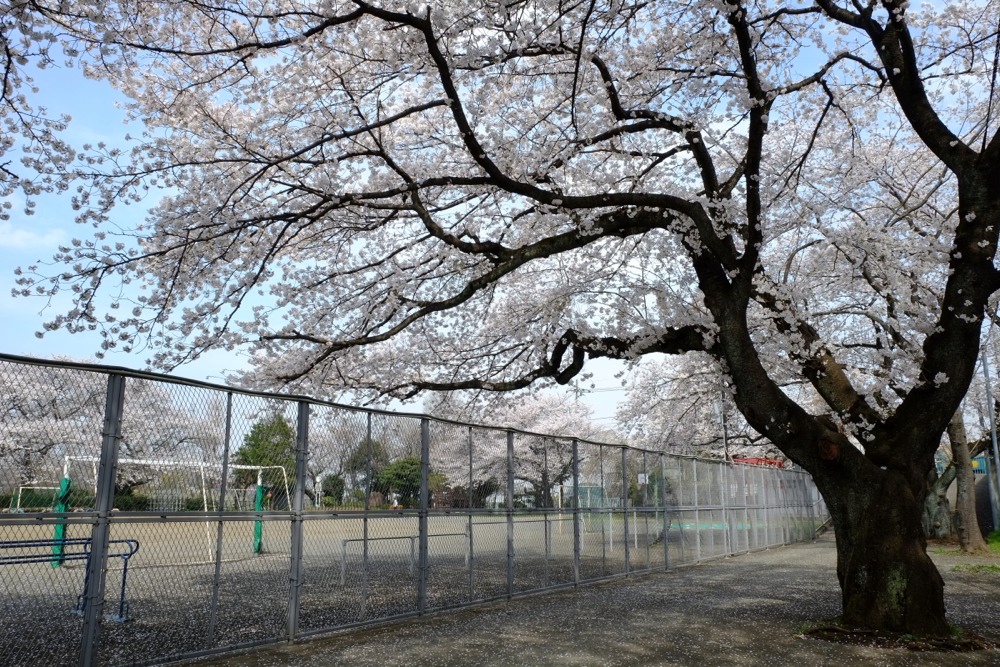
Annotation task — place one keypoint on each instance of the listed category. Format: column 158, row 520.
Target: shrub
column 132, row 503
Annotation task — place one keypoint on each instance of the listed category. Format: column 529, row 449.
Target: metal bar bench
column 73, row 549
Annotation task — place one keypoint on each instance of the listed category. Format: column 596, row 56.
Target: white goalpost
column 32, row 488
column 209, row 501
column 175, row 484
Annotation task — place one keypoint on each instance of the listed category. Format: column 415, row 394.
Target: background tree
column 55, row 412
column 541, row 463
column 270, row 442
column 479, row 495
column 50, row 413
column 968, row 436
column 970, row 537
column 401, row 477
column 333, row 488
column 364, row 464
column 329, row 433
column 682, row 405
column 805, row 192
column 939, row 519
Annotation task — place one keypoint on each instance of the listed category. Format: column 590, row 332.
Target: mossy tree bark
column 888, row 581
column 938, row 518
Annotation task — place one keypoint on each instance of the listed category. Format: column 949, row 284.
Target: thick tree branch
column 579, row 346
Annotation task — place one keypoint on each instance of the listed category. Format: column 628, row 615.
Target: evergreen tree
column 271, row 442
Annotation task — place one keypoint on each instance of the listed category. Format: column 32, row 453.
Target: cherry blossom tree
column 393, row 198
column 541, row 463
column 48, row 414
column 35, row 158
column 682, row 405
column 51, row 413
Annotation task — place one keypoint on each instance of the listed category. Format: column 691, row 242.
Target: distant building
column 979, row 465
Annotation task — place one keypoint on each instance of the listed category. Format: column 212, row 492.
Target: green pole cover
column 61, row 505
column 258, row 526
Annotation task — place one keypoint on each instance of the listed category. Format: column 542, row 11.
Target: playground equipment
column 72, row 549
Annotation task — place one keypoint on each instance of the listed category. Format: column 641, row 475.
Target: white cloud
column 19, row 238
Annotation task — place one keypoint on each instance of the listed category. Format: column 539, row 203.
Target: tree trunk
column 888, row 581
column 938, row 518
column 969, row 535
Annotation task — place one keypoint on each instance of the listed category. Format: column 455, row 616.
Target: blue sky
column 29, row 239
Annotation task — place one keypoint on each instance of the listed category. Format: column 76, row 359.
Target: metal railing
column 301, row 517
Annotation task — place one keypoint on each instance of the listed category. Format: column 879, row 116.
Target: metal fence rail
column 253, row 518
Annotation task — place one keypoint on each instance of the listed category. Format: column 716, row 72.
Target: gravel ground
column 744, row 611
column 170, row 583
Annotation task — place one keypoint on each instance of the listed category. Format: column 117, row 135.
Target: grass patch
column 978, row 569
column 946, row 549
column 941, row 551
column 993, row 541
column 811, row 626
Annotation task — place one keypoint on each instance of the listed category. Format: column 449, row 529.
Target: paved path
column 742, row 611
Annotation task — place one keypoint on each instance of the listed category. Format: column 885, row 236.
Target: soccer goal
column 255, row 489
column 166, row 485
column 32, row 497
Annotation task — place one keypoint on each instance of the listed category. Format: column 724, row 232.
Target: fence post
column 298, row 502
column 723, row 492
column 605, row 511
column 748, row 526
column 547, row 536
column 364, row 518
column 807, row 498
column 800, row 509
column 425, row 465
column 791, row 507
column 576, row 512
column 100, row 534
column 645, row 512
column 666, row 516
column 787, row 503
column 472, row 553
column 697, row 513
column 681, row 507
column 781, row 506
column 625, row 533
column 510, row 514
column 767, row 509
column 213, row 614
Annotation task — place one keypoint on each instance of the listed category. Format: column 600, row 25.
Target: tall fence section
column 148, row 519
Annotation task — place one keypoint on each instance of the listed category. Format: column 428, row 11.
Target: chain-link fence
column 149, row 518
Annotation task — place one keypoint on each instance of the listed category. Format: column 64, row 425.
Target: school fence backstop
column 148, row 518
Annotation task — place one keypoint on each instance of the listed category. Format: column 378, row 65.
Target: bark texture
column 939, row 519
column 969, row 535
column 888, row 581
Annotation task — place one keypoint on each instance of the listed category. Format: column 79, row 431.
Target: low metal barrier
column 61, row 550
column 413, row 549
